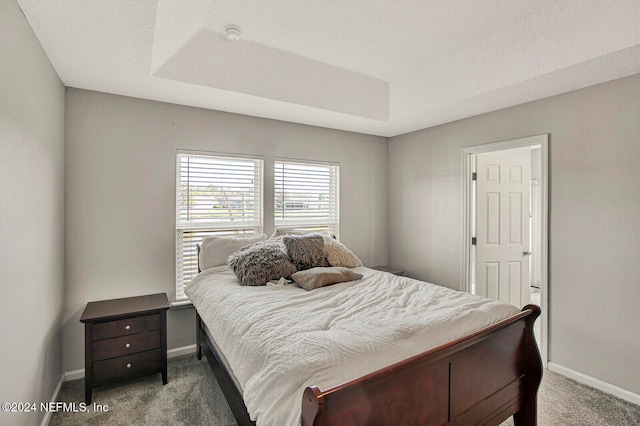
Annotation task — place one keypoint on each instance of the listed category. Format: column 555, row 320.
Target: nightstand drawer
column 124, row 327
column 125, row 345
column 129, row 365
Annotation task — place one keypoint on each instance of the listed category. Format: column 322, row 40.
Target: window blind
column 215, row 195
column 307, row 196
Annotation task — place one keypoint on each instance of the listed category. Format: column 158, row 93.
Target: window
column 215, row 195
column 306, row 196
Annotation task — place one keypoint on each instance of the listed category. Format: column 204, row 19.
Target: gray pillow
column 306, row 251
column 313, row 278
column 260, row 263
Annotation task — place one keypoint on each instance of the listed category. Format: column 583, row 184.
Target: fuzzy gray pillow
column 306, row 251
column 261, row 262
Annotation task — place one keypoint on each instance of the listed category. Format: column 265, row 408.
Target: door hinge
column 473, row 241
column 474, row 176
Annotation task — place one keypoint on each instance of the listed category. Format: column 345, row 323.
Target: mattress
column 280, row 339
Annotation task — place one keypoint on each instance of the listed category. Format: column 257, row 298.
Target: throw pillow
column 313, row 278
column 214, row 251
column 260, row 263
column 306, row 251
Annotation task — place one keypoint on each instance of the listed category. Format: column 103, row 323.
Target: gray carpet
column 192, row 397
column 562, row 401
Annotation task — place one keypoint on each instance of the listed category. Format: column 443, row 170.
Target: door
column 502, row 227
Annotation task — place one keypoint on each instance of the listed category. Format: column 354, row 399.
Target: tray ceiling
column 383, row 67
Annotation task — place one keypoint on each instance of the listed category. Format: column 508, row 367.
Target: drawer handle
column 128, row 345
column 128, row 365
column 127, row 327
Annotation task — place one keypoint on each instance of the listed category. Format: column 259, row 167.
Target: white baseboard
column 171, row 353
column 185, row 350
column 595, row 383
column 47, row 417
column 73, row 375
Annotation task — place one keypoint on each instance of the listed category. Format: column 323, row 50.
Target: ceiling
column 382, row 67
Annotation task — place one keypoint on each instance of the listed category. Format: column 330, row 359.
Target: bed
column 380, row 349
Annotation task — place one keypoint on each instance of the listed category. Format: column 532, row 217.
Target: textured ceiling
column 383, row 67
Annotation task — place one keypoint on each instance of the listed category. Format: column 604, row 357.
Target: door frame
column 468, row 166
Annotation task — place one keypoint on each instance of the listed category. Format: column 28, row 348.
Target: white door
column 502, row 227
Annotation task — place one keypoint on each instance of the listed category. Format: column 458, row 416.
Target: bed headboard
column 198, row 256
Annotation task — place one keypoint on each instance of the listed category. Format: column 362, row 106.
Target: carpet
column 192, row 397
column 562, row 401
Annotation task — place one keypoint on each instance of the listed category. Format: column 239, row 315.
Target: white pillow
column 214, row 251
column 339, row 255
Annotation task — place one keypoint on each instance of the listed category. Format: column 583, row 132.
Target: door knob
column 526, row 253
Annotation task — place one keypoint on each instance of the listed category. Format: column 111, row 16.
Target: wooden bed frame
column 481, row 379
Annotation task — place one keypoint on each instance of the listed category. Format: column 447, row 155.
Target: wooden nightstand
column 389, row 269
column 124, row 338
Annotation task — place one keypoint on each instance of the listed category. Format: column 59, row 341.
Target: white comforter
column 279, row 340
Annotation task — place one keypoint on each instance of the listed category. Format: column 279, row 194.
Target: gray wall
column 120, row 185
column 594, row 217
column 119, row 238
column 31, row 217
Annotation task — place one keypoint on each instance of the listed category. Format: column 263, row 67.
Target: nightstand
column 124, row 338
column 389, row 269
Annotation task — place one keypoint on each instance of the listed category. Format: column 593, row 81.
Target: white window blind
column 307, row 195
column 215, row 195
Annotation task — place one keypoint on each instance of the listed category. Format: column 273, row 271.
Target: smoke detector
column 233, row 32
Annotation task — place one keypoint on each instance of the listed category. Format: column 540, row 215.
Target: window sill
column 181, row 304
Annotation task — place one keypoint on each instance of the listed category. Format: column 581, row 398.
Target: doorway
column 506, row 224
